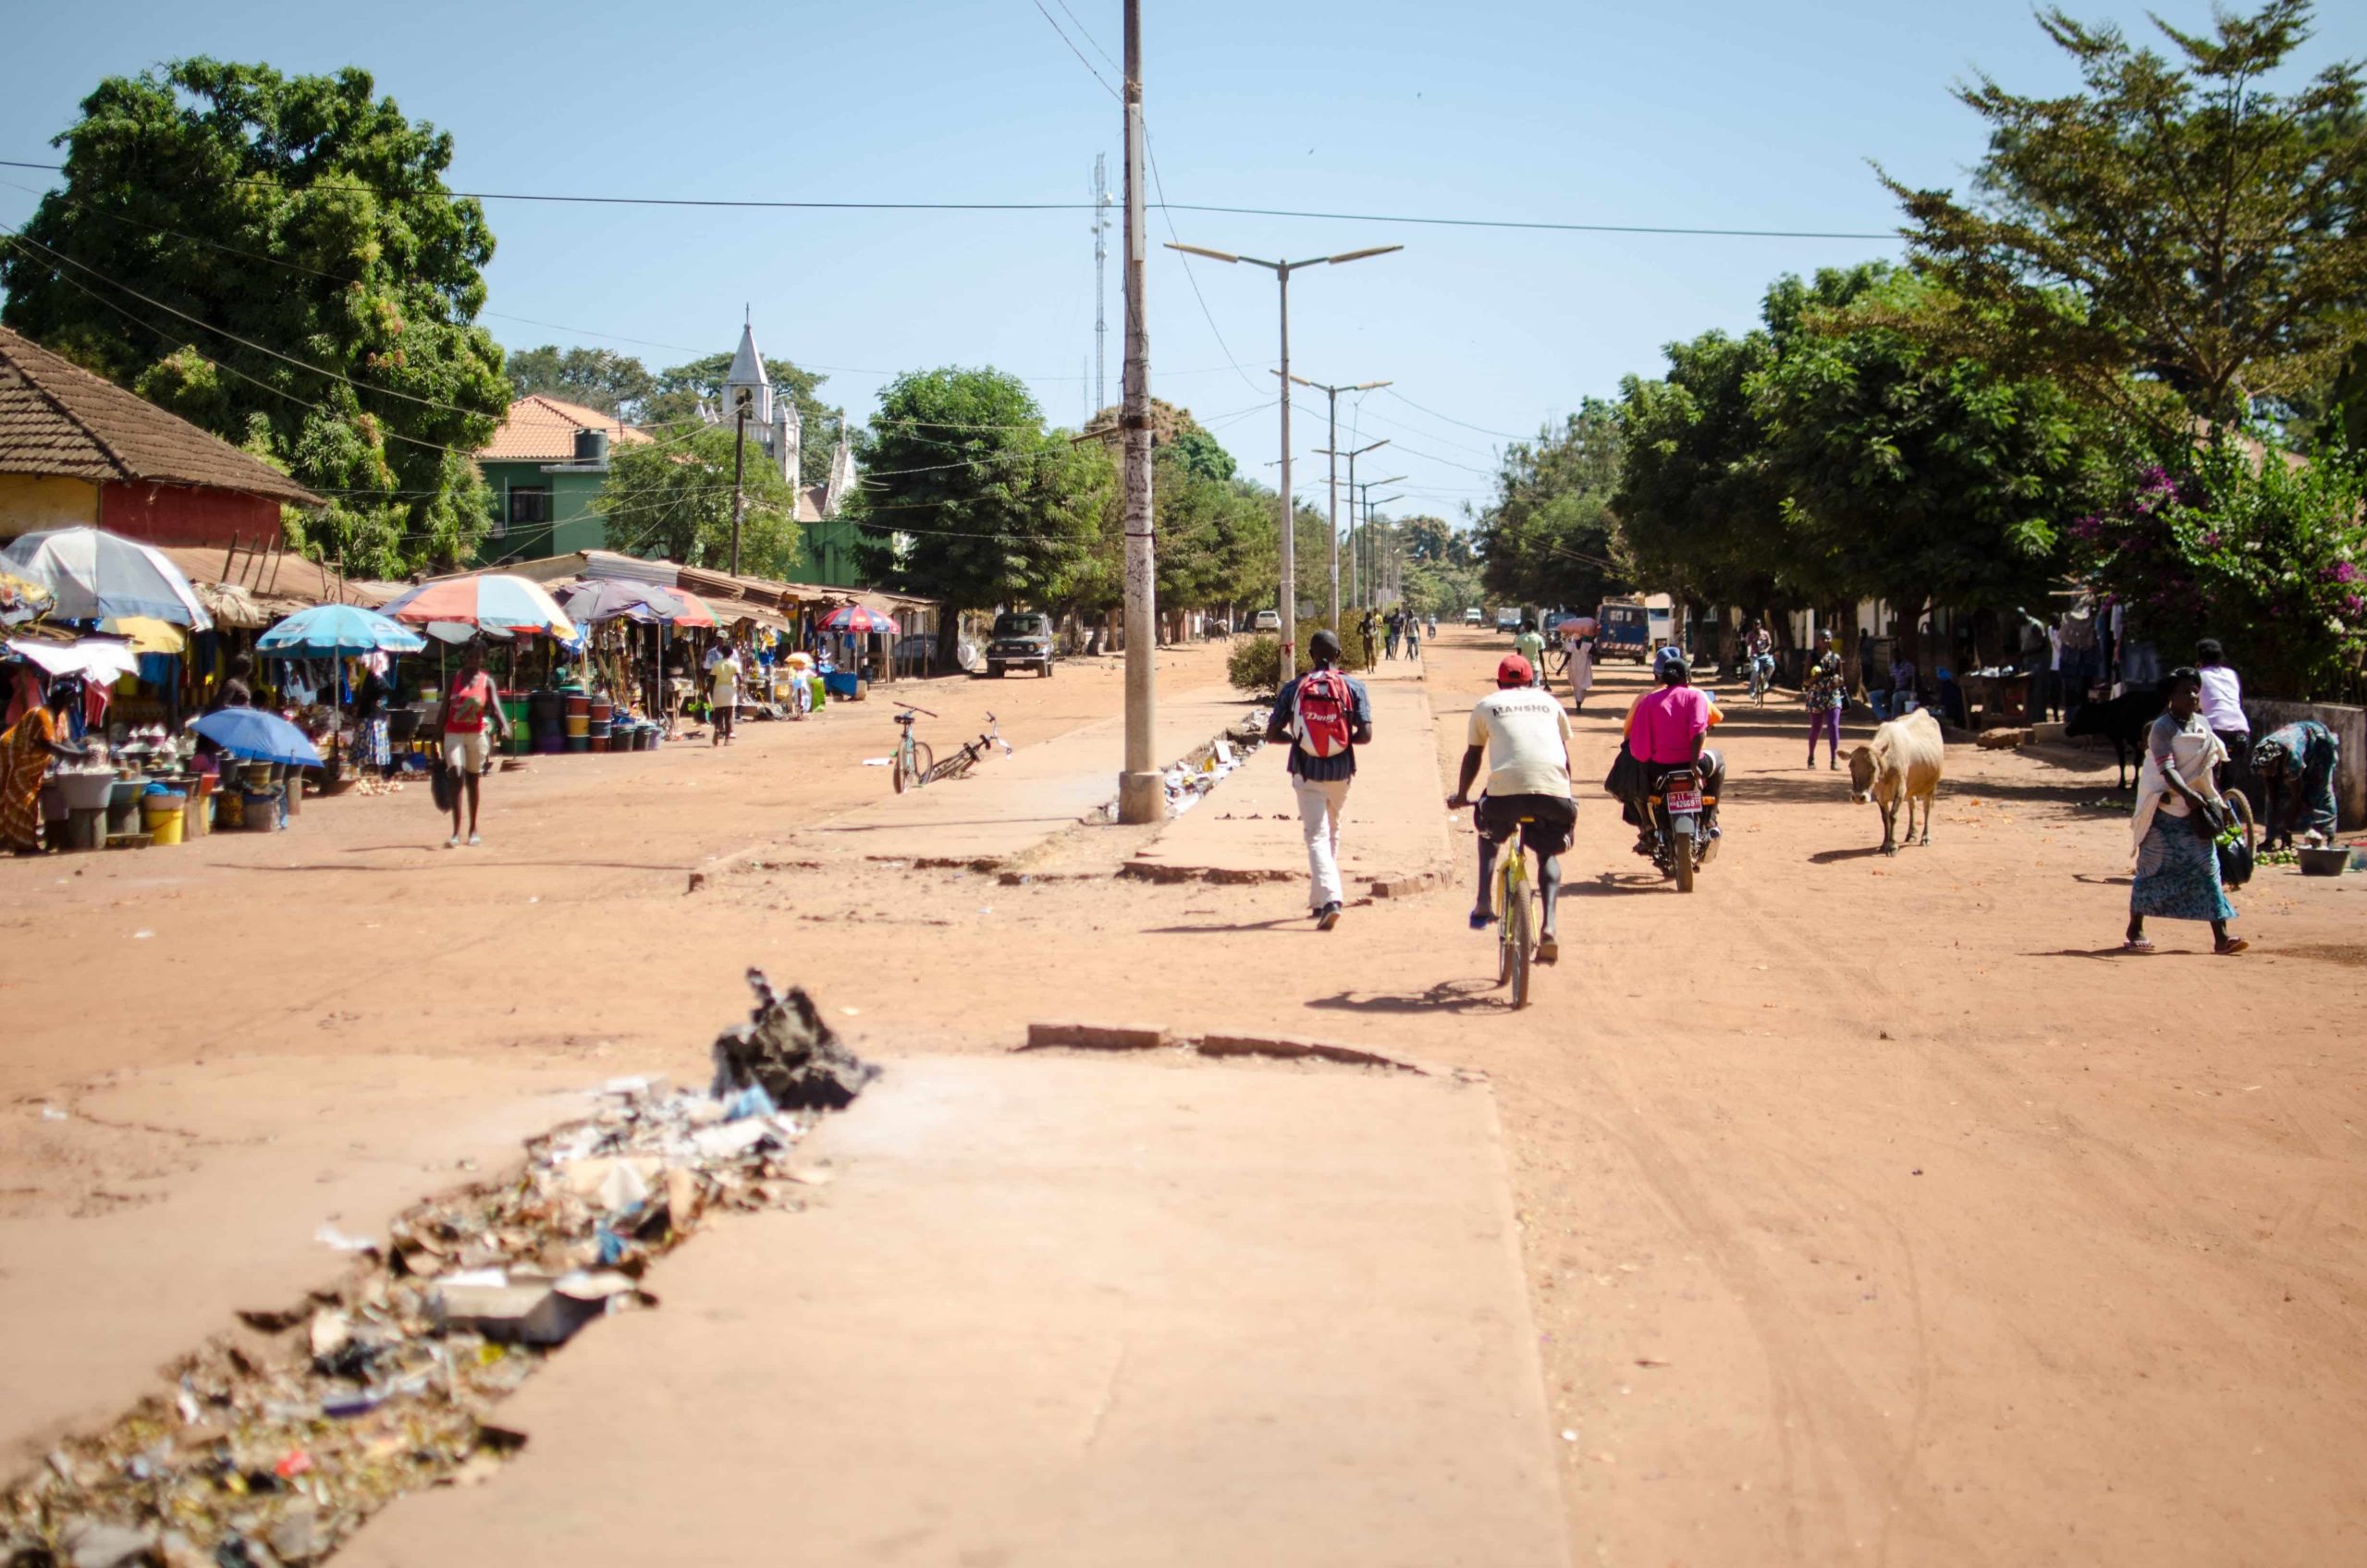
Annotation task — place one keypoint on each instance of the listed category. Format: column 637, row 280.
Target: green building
column 546, row 466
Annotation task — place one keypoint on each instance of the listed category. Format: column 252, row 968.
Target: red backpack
column 1323, row 712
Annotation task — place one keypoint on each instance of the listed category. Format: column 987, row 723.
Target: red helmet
column 1515, row 671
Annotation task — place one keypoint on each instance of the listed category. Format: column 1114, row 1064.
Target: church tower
column 745, row 384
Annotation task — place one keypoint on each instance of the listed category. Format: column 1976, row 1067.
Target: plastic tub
column 2324, row 862
column 578, row 743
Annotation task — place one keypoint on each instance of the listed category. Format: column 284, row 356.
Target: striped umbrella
column 858, row 621
column 495, row 602
column 94, row 574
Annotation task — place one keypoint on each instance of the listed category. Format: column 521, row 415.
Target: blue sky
column 1718, row 113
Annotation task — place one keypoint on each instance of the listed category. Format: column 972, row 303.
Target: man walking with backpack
column 1325, row 716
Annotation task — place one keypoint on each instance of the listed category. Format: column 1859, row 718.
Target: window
column 529, row 506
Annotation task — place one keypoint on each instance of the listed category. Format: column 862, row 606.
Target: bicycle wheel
column 1506, row 897
column 1518, row 945
column 913, row 767
column 953, row 767
column 1681, row 845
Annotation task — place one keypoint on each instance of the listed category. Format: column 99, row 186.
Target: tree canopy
column 1547, row 537
column 671, row 500
column 278, row 259
column 968, row 498
column 597, row 378
column 2177, row 219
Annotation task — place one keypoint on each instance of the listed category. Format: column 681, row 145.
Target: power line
column 1540, row 225
column 1074, row 50
column 1452, row 420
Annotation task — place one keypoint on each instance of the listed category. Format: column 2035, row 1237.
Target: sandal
column 2139, row 945
column 2231, row 947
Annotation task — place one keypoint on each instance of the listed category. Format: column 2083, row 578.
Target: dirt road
column 1874, row 1210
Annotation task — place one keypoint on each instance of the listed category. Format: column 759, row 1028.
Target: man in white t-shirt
column 723, row 674
column 2223, row 710
column 1525, row 738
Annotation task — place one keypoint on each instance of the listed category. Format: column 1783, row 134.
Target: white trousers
column 1319, row 806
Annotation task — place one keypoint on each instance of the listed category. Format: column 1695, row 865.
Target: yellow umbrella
column 148, row 634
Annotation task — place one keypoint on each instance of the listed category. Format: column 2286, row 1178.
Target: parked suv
column 1267, row 621
column 1020, row 640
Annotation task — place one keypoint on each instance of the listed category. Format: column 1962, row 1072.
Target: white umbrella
column 95, row 575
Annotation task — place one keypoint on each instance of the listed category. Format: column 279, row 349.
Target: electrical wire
column 1537, row 225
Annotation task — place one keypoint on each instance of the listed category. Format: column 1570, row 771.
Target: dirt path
column 1874, row 1211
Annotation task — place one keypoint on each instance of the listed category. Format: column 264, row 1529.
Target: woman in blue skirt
column 2178, row 862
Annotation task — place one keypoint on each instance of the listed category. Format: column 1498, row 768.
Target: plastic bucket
column 578, row 725
column 579, row 707
column 196, row 818
column 229, row 810
column 165, row 816
column 578, row 743
column 599, row 742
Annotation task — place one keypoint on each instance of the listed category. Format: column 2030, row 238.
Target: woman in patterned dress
column 25, row 753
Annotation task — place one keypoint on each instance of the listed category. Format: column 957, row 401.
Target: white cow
column 1904, row 761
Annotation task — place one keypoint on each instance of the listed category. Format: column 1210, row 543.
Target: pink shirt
column 1666, row 722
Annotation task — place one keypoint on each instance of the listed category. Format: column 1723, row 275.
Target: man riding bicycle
column 1524, row 736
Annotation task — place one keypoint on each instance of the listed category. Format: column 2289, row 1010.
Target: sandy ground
column 1874, row 1209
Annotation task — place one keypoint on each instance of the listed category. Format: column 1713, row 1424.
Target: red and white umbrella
column 858, row 620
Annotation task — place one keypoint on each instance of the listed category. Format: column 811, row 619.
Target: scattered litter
column 51, row 1113
column 876, row 762
column 1569, row 1434
column 272, row 1446
column 141, row 935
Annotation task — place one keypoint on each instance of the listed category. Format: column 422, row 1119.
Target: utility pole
column 739, row 468
column 1282, row 271
column 1142, row 794
column 1100, row 280
column 1352, row 458
column 1333, row 395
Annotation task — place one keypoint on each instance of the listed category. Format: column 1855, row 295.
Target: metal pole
column 1331, row 395
column 1142, row 795
column 1289, row 666
column 739, row 464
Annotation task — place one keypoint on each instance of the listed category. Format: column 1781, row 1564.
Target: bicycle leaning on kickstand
column 915, row 764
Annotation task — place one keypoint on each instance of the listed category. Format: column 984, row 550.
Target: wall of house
column 830, row 554
column 573, row 525
column 30, row 502
column 180, row 514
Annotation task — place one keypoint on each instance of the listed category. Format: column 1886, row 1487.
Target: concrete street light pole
column 1142, row 794
column 1333, row 395
column 1352, row 458
column 1282, row 271
column 1364, row 556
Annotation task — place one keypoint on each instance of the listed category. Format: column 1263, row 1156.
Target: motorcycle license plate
column 1679, row 801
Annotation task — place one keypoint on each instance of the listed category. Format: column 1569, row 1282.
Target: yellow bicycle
column 1516, row 917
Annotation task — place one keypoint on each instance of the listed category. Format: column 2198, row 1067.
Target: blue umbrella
column 265, row 737
column 327, row 630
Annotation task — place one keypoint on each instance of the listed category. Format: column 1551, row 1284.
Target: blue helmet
column 1669, row 661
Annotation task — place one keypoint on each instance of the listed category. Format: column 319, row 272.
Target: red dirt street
column 1872, row 1210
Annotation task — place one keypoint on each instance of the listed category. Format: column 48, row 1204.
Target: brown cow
column 1904, row 763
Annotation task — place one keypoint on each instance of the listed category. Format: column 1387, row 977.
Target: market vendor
column 26, row 752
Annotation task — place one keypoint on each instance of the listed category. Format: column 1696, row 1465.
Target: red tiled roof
column 542, row 429
column 58, row 419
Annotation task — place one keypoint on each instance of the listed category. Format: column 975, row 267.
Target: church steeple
column 746, row 382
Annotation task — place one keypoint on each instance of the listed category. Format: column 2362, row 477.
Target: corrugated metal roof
column 542, row 429
column 58, row 419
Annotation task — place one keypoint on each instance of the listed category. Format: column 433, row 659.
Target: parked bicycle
column 915, row 764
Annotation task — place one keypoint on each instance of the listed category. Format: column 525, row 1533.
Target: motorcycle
column 1676, row 810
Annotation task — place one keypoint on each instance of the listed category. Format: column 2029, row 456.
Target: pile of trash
column 1188, row 782
column 275, row 1443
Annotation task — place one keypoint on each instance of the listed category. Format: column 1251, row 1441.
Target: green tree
column 2175, row 220
column 597, row 378
column 671, row 500
column 967, row 498
column 216, row 217
column 1547, row 537
column 2250, row 543
column 675, row 399
column 1911, row 473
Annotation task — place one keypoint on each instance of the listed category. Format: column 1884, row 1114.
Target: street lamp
column 1365, row 557
column 1352, row 458
column 1333, row 395
column 1282, row 271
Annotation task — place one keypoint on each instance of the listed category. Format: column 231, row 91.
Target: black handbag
column 1622, row 779
column 443, row 785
